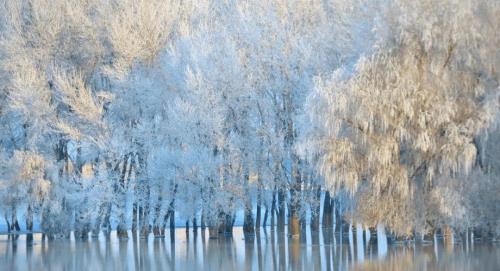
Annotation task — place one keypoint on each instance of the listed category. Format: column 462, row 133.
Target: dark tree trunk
column 248, row 227
column 134, row 214
column 339, row 219
column 106, row 224
column 7, row 222
column 120, row 189
column 157, row 232
column 315, row 214
column 145, row 214
column 195, row 224
column 266, row 215
column 259, row 210
column 273, row 209
column 202, row 222
column 281, row 210
column 29, row 219
column 327, row 211
column 14, row 226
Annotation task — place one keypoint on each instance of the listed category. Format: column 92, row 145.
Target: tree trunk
column 266, row 215
column 315, row 214
column 195, row 224
column 339, row 219
column 448, row 237
column 248, row 227
column 294, row 228
column 134, row 214
column 14, row 223
column 281, row 210
column 213, row 232
column 81, row 224
column 157, row 232
column 259, row 209
column 202, row 222
column 294, row 223
column 273, row 209
column 29, row 224
column 29, row 219
column 120, row 189
column 327, row 211
column 8, row 223
column 106, row 224
column 145, row 214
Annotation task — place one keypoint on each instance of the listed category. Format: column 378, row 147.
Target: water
column 266, row 251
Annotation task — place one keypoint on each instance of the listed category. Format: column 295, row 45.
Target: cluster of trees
column 133, row 113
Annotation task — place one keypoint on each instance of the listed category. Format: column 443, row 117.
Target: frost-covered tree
column 138, row 114
column 404, row 120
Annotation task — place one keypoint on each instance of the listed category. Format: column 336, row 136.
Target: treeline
column 130, row 114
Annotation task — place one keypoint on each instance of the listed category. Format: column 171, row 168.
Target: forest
column 143, row 114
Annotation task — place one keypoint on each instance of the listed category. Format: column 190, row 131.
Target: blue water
column 266, row 251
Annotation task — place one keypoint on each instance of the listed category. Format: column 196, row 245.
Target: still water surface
column 266, row 251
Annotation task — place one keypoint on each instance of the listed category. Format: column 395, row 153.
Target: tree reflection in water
column 267, row 250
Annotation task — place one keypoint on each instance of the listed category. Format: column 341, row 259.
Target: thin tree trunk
column 281, row 210
column 134, row 214
column 327, row 211
column 259, row 209
column 316, row 213
column 121, row 228
column 273, row 209
column 8, row 223
column 202, row 222
column 294, row 224
column 266, row 215
column 145, row 215
column 195, row 224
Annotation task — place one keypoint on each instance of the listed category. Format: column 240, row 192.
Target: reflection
column 359, row 243
column 267, row 250
column 295, row 251
column 381, row 241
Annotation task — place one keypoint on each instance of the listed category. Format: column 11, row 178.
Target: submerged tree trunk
column 203, row 224
column 259, row 209
column 106, row 224
column 134, row 214
column 281, row 210
column 29, row 224
column 14, row 225
column 248, row 227
column 294, row 223
column 295, row 190
column 120, row 191
column 266, row 215
column 338, row 216
column 195, row 224
column 99, row 219
column 145, row 214
column 448, row 237
column 327, row 211
column 7, row 222
column 157, row 231
column 82, row 226
column 273, row 209
column 315, row 214
column 29, row 219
